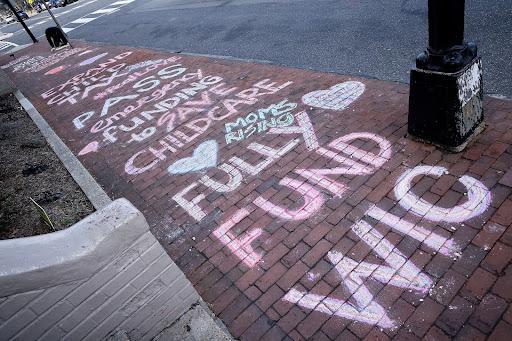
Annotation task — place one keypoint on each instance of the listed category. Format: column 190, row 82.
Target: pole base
column 446, row 109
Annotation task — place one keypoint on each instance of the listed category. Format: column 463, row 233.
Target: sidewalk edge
column 83, row 178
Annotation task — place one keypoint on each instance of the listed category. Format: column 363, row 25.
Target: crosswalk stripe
column 105, row 10
column 82, row 20
column 122, row 2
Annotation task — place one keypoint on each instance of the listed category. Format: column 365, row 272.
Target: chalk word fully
column 259, row 122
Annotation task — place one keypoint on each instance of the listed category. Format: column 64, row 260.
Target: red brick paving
column 302, row 232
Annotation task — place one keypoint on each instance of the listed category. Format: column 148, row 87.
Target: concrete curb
column 64, row 253
column 99, row 199
column 83, row 178
column 105, row 275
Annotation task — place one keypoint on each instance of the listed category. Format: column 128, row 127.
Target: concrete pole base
column 446, row 109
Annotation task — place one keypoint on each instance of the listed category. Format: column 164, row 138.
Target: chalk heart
column 204, row 157
column 338, row 97
column 90, row 148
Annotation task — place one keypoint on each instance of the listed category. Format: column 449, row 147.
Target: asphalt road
column 373, row 38
column 39, row 22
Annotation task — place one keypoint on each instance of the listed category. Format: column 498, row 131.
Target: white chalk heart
column 204, row 157
column 338, row 97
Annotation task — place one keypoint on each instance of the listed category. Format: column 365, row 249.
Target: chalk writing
column 83, row 83
column 177, row 139
column 241, row 247
column 15, row 61
column 93, row 59
column 143, row 64
column 56, row 70
column 258, row 122
column 38, row 63
column 478, row 197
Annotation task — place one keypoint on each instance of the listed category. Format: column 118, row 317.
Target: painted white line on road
column 4, row 45
column 122, row 2
column 99, row 13
column 104, row 10
column 82, row 21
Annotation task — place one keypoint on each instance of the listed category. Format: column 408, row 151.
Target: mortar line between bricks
column 91, row 314
column 65, row 298
column 157, row 277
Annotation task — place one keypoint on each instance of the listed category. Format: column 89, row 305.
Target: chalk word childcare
column 188, row 132
column 258, row 122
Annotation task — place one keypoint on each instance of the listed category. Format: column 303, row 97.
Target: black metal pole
column 446, row 51
column 57, row 23
column 446, row 89
column 8, row 3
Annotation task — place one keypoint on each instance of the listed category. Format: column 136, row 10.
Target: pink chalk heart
column 337, row 97
column 56, row 70
column 204, row 157
column 90, row 148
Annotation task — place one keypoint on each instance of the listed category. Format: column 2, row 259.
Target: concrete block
column 71, row 254
column 16, row 303
column 53, row 334
column 114, row 304
column 81, row 331
column 17, row 323
column 152, row 271
column 46, row 321
column 105, row 274
column 50, row 297
column 200, row 325
column 152, row 253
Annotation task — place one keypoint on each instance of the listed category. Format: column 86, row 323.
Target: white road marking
column 82, row 21
column 109, row 9
column 122, row 2
column 104, row 10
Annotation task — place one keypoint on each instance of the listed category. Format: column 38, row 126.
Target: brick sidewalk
column 292, row 199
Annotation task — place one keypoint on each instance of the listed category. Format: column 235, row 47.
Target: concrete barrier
column 104, row 275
